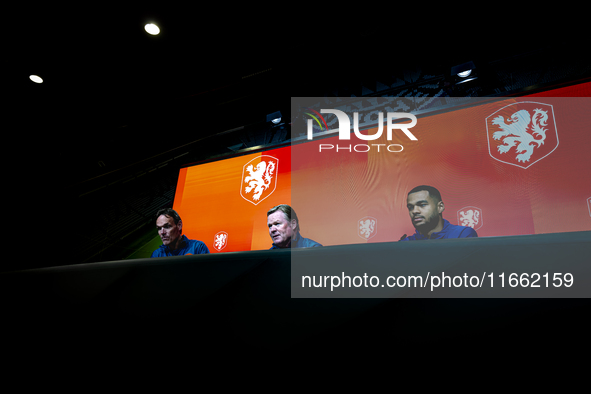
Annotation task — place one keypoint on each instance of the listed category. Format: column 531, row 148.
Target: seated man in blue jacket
column 174, row 243
column 284, row 229
column 425, row 208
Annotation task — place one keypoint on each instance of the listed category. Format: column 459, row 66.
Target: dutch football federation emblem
column 220, row 240
column 522, row 133
column 367, row 227
column 470, row 217
column 259, row 178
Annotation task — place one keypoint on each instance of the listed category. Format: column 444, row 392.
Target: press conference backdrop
column 491, row 177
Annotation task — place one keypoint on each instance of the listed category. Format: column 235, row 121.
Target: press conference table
column 245, row 299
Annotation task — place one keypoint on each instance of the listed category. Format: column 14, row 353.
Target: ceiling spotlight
column 152, row 29
column 36, row 78
column 463, row 70
column 275, row 117
column 464, row 74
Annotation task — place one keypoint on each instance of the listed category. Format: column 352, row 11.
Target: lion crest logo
column 220, row 240
column 259, row 178
column 522, row 133
column 367, row 227
column 470, row 217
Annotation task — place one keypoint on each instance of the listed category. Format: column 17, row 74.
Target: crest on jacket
column 259, row 178
column 522, row 133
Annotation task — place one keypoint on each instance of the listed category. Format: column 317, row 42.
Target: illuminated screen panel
column 506, row 167
column 225, row 203
column 350, row 197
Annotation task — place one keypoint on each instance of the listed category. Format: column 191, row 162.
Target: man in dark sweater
column 284, row 229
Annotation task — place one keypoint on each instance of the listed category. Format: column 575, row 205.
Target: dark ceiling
column 113, row 94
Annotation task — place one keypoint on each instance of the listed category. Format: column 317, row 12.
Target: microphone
column 401, row 238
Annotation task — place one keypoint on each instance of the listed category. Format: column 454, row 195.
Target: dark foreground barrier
column 244, row 300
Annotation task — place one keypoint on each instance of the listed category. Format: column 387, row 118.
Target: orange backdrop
column 336, row 193
column 208, row 199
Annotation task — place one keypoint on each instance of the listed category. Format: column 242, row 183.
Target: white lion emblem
column 220, row 240
column 259, row 179
column 366, row 227
column 470, row 218
column 523, row 130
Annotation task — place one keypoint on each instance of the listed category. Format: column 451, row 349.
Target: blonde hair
column 288, row 211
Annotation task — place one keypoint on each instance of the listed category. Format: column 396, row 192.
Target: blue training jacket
column 449, row 231
column 188, row 246
column 300, row 242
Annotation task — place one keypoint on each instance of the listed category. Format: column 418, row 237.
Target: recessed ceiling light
column 464, row 74
column 36, row 78
column 275, row 117
column 152, row 29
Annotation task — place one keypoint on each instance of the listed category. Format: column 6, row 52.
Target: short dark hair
column 171, row 213
column 433, row 192
column 288, row 211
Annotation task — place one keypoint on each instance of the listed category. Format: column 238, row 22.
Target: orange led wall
column 212, row 199
column 344, row 198
column 356, row 197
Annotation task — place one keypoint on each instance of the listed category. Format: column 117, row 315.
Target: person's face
column 169, row 232
column 281, row 229
column 423, row 210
